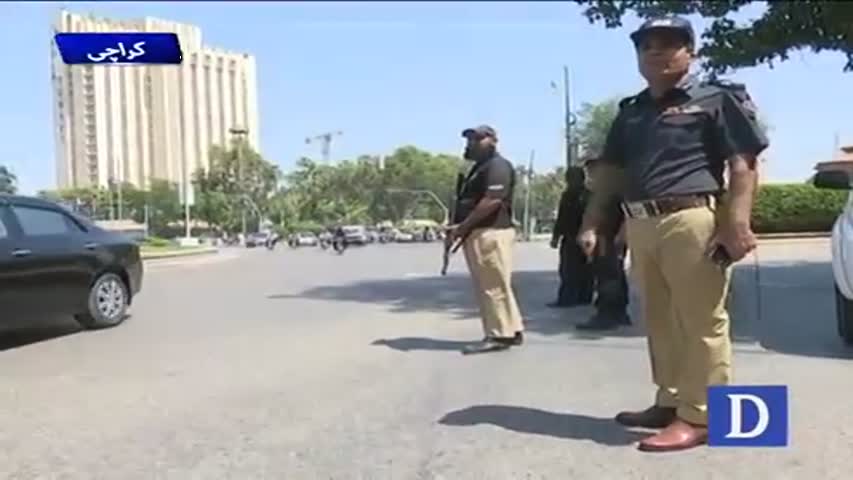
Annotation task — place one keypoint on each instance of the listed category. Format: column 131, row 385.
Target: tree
column 594, row 120
column 783, row 28
column 162, row 202
column 8, row 181
column 239, row 180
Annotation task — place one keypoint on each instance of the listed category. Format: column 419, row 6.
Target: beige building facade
column 124, row 123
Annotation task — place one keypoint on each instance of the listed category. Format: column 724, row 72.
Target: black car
column 53, row 261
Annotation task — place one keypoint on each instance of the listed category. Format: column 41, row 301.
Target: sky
column 389, row 74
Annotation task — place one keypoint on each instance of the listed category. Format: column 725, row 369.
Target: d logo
column 736, row 405
column 748, row 416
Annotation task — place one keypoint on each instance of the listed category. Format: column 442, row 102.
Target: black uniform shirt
column 495, row 178
column 570, row 213
column 678, row 145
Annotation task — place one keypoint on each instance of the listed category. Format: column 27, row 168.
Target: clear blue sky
column 390, row 74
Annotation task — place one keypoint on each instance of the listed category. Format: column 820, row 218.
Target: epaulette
column 627, row 101
column 738, row 90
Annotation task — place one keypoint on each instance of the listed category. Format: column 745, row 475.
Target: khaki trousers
column 488, row 253
column 684, row 306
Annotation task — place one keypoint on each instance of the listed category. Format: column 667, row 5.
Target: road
column 300, row 364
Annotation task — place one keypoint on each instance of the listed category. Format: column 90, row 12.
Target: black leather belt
column 666, row 205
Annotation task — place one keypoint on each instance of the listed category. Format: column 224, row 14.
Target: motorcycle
column 339, row 245
column 271, row 243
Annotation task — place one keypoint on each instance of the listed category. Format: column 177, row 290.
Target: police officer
column 483, row 222
column 666, row 153
column 608, row 263
column 576, row 278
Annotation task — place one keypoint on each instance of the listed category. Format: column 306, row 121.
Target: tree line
column 410, row 183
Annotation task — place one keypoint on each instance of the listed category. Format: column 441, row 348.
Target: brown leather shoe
column 652, row 417
column 679, row 435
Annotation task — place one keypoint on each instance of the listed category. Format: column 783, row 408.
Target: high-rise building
column 132, row 124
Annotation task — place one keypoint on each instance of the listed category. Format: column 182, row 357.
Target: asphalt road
column 301, row 364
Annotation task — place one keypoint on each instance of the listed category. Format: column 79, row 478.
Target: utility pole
column 570, row 120
column 325, row 140
column 239, row 134
column 527, row 232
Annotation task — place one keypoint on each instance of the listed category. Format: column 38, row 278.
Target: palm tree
column 8, row 180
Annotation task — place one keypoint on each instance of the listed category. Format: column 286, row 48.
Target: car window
column 3, row 232
column 39, row 222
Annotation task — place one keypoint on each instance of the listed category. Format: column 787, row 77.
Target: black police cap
column 481, row 131
column 672, row 23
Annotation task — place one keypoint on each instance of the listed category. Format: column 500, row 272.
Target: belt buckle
column 636, row 210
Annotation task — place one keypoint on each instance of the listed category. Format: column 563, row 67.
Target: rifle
column 449, row 248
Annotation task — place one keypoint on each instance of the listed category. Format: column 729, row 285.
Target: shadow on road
column 797, row 306
column 407, row 344
column 19, row 334
column 604, row 431
column 797, row 309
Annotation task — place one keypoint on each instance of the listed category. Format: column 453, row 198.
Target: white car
column 356, row 234
column 842, row 251
column 403, row 237
column 305, row 239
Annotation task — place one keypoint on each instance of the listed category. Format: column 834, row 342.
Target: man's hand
column 555, row 241
column 454, row 235
column 587, row 239
column 738, row 240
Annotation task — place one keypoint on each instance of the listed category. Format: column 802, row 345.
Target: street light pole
column 240, row 133
column 569, row 118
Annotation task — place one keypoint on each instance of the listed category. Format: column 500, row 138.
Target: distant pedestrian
column 483, row 223
column 666, row 154
column 608, row 264
column 576, row 276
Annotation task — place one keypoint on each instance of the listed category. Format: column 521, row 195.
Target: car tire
column 107, row 303
column 844, row 316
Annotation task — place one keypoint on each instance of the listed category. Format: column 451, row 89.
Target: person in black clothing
column 576, row 275
column 608, row 266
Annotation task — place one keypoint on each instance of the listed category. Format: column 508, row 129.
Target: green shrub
column 789, row 208
column 156, row 242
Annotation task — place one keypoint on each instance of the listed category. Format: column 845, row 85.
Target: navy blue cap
column 675, row 23
column 481, row 131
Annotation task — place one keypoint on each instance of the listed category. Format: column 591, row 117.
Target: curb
column 760, row 236
column 179, row 253
column 793, row 236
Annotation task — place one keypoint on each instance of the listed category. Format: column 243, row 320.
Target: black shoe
column 518, row 339
column 488, row 345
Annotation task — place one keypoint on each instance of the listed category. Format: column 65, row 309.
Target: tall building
column 137, row 123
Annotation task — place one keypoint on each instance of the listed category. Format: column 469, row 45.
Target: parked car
column 55, row 262
column 257, row 239
column 305, row 239
column 842, row 251
column 401, row 236
column 355, row 234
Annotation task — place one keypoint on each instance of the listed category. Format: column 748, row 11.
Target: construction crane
column 326, row 142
